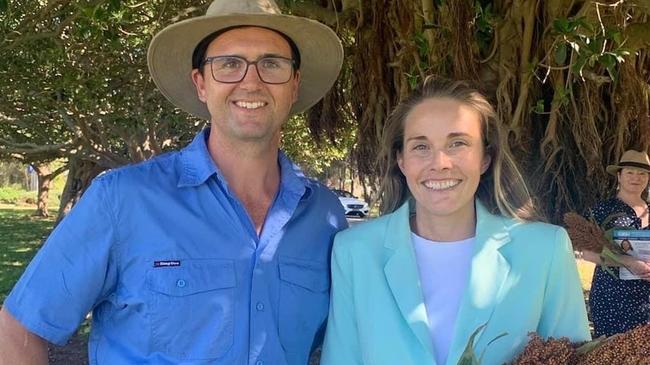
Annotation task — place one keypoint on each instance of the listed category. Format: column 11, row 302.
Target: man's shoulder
column 158, row 166
column 320, row 190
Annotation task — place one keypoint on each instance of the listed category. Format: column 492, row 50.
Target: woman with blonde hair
column 459, row 247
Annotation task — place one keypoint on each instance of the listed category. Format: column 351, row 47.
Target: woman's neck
column 458, row 227
column 630, row 198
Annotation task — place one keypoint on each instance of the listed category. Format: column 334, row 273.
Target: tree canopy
column 569, row 79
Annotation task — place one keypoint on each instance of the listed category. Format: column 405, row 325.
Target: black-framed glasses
column 233, row 69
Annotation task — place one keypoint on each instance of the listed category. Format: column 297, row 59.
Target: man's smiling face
column 249, row 110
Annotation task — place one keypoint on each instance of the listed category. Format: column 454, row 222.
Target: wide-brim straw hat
column 170, row 51
column 633, row 159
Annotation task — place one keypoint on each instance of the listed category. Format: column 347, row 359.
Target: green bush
column 15, row 194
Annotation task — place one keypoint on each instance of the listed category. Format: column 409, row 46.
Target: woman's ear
column 400, row 161
column 485, row 164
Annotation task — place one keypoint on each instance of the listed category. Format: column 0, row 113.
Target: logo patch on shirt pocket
column 167, row 263
column 191, row 308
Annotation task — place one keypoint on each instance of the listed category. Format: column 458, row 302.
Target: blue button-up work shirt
column 170, row 264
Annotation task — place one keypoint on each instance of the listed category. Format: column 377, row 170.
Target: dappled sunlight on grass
column 14, row 263
column 21, row 235
column 23, row 249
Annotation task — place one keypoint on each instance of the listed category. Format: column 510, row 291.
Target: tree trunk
column 44, row 181
column 80, row 175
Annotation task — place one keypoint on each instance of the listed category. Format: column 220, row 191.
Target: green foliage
column 11, row 172
column 76, row 79
column 15, row 194
column 468, row 357
column 311, row 155
column 539, row 107
column 485, row 22
column 594, row 45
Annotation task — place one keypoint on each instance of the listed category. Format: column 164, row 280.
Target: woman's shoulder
column 537, row 241
column 526, row 228
column 606, row 208
column 364, row 236
column 371, row 227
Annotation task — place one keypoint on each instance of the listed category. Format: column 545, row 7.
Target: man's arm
column 18, row 345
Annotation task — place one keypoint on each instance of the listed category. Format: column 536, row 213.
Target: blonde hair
column 501, row 189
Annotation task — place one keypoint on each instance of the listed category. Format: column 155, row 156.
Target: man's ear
column 199, row 83
column 296, row 86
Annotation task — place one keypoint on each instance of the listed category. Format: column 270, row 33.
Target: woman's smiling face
column 443, row 157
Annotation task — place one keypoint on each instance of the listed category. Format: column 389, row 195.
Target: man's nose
column 251, row 78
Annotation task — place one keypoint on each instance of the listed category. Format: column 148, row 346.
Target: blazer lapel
column 489, row 270
column 403, row 278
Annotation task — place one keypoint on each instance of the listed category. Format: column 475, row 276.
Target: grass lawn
column 21, row 236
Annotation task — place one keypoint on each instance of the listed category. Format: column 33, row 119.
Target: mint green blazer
column 523, row 278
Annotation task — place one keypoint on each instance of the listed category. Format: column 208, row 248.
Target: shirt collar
column 197, row 166
column 292, row 179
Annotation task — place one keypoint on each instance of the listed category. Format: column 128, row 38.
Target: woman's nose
column 440, row 160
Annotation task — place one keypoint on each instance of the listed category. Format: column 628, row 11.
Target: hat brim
column 170, row 56
column 614, row 169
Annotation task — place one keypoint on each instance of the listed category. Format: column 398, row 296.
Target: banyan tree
column 570, row 78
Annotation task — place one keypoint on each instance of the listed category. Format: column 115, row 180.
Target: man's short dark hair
column 199, row 52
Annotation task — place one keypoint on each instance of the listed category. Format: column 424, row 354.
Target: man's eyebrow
column 274, row 55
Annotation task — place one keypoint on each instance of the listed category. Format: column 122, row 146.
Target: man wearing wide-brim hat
column 218, row 253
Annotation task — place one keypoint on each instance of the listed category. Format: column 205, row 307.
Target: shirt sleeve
column 71, row 272
column 341, row 344
column 564, row 313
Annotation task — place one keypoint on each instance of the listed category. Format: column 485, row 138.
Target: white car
column 351, row 204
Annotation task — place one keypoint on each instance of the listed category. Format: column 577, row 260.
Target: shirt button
column 260, row 307
column 181, row 283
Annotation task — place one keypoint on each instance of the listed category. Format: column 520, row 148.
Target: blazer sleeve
column 341, row 346
column 563, row 312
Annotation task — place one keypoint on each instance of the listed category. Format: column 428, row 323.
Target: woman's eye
column 420, row 147
column 457, row 144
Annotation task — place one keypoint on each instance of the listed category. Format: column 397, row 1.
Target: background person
column 458, row 247
column 620, row 305
column 218, row 253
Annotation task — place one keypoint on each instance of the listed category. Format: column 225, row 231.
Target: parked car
column 353, row 206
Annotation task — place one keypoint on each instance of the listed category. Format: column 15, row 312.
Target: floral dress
column 617, row 305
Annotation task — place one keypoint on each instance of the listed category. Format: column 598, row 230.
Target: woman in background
column 459, row 247
column 620, row 305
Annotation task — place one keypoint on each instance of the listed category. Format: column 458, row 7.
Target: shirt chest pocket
column 304, row 302
column 191, row 308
